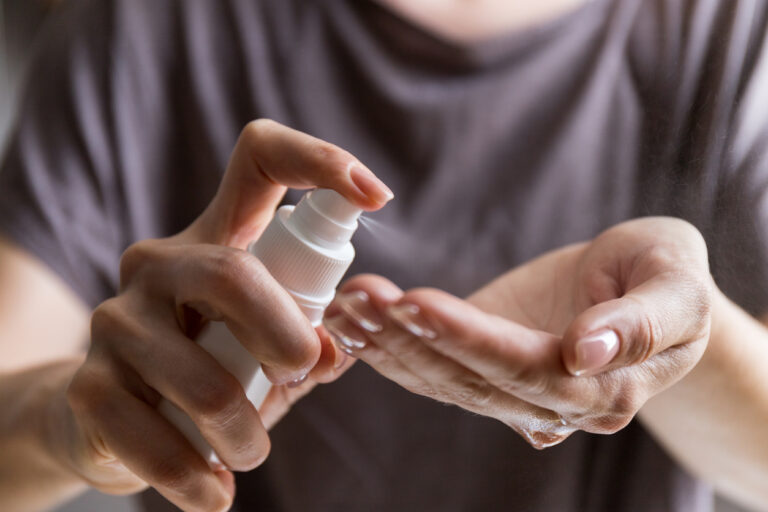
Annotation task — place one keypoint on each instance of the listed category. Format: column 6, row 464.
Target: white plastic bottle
column 307, row 250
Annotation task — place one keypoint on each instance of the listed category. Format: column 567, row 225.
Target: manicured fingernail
column 409, row 317
column 595, row 351
column 342, row 335
column 298, row 382
column 357, row 306
column 370, row 185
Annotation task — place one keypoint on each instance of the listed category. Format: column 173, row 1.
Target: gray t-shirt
column 497, row 152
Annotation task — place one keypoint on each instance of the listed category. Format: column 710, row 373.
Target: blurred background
column 20, row 21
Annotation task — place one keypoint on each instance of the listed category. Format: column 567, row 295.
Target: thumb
column 663, row 312
column 268, row 158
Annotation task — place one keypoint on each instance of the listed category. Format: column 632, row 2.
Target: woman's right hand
column 142, row 346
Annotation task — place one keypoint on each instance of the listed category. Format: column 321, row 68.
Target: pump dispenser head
column 325, row 218
column 307, row 248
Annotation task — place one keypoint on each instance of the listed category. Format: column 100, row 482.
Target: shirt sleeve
column 68, row 172
column 739, row 237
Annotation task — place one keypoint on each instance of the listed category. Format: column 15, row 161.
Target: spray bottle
column 307, row 250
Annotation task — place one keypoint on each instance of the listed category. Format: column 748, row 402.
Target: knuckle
column 78, row 393
column 302, row 353
column 135, row 259
column 221, row 402
column 89, row 396
column 689, row 231
column 600, row 286
column 220, row 503
column 176, row 474
column 254, row 129
column 609, row 423
column 114, row 319
column 228, row 271
column 646, row 339
column 614, row 406
column 331, row 154
column 662, row 257
column 701, row 289
column 109, row 317
column 180, row 474
column 255, row 452
column 625, row 404
column 652, row 339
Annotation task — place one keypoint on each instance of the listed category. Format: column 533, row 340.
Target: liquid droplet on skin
column 541, row 440
column 544, row 433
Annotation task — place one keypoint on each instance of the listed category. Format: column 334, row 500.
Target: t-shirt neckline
column 485, row 52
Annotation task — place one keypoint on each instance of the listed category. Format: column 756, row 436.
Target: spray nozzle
column 325, row 217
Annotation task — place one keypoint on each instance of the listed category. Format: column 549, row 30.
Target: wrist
column 31, row 401
column 56, row 426
column 724, row 315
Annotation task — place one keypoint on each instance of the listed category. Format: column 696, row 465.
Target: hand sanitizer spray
column 307, row 250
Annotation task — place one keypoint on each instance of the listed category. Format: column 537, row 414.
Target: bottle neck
column 324, row 219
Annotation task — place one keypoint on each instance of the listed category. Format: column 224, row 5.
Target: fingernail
column 409, row 317
column 344, row 338
column 370, row 185
column 595, row 351
column 298, row 382
column 357, row 306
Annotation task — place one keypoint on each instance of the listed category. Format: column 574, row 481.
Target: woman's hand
column 142, row 340
column 577, row 339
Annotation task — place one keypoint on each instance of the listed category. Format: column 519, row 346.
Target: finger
column 668, row 310
column 268, row 158
column 332, row 364
column 233, row 285
column 512, row 357
column 353, row 340
column 521, row 362
column 381, row 291
column 357, row 316
column 333, row 361
column 351, row 335
column 188, row 376
column 515, row 359
column 396, row 353
column 149, row 446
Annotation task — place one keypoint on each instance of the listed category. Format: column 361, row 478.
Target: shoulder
column 680, row 46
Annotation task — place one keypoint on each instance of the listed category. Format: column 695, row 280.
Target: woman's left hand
column 577, row 339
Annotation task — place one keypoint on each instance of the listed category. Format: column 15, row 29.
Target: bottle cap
column 307, row 248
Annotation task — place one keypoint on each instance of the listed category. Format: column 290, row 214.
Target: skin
column 508, row 351
column 94, row 418
column 472, row 21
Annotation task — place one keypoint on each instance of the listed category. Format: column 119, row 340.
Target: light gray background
column 11, row 68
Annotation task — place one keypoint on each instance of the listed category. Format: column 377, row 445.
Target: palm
column 549, row 292
column 542, row 294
